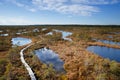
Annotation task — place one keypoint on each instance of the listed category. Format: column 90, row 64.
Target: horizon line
column 61, row 24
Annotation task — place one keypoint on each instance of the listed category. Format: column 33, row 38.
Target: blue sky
column 21, row 12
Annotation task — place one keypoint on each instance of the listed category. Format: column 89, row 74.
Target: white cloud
column 95, row 2
column 62, row 6
column 28, row 7
column 79, row 7
column 18, row 4
column 32, row 9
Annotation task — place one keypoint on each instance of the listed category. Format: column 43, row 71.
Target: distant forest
column 52, row 25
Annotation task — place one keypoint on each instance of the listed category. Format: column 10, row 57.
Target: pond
column 109, row 42
column 115, row 32
column 65, row 34
column 105, row 52
column 49, row 33
column 110, row 36
column 18, row 33
column 19, row 41
column 47, row 56
column 1, row 31
column 43, row 29
column 4, row 34
column 36, row 30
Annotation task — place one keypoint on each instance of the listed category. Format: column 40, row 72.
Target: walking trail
column 31, row 73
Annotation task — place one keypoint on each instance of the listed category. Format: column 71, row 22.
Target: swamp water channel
column 106, row 52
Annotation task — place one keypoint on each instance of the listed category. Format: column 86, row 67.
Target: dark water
column 47, row 56
column 105, row 52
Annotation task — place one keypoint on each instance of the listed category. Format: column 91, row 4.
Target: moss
column 115, row 68
column 102, row 76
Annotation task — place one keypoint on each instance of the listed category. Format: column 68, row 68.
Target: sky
column 35, row 12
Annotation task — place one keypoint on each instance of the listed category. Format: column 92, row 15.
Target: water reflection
column 19, row 41
column 47, row 56
column 110, row 36
column 109, row 42
column 49, row 33
column 43, row 29
column 105, row 52
column 4, row 34
column 65, row 34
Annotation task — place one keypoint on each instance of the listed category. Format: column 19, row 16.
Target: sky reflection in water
column 105, row 52
column 47, row 56
column 19, row 41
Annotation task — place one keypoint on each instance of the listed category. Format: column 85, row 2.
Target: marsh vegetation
column 69, row 43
